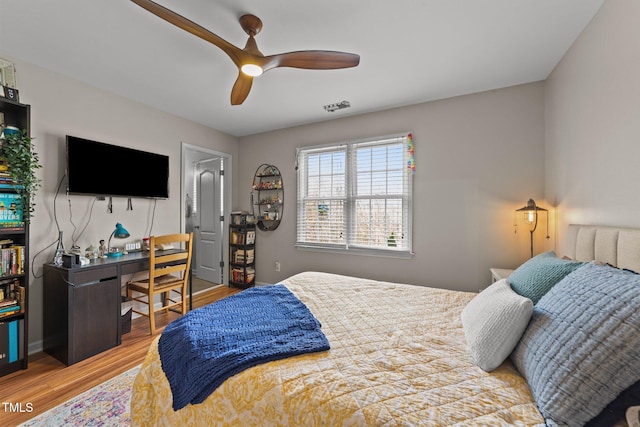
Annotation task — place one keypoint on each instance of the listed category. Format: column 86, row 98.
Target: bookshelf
column 14, row 256
column 242, row 242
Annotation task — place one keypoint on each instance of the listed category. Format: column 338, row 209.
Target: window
column 355, row 197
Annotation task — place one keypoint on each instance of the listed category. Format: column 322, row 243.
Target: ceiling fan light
column 252, row 70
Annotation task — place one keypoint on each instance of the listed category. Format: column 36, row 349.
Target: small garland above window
column 411, row 165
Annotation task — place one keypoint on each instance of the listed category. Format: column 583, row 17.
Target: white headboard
column 614, row 245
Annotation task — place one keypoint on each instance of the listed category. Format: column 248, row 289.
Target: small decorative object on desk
column 57, row 258
column 91, row 252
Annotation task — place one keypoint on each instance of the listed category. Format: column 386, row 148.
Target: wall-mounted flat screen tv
column 99, row 169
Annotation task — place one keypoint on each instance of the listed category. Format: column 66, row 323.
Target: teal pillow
column 537, row 276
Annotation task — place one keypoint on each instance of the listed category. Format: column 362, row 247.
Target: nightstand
column 499, row 273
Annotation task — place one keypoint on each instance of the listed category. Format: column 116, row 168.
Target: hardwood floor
column 48, row 382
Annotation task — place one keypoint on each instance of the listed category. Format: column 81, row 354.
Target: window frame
column 350, row 199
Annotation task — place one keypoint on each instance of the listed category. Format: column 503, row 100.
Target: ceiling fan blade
column 237, row 55
column 311, row 60
column 241, row 88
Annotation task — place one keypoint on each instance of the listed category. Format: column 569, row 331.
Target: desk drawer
column 94, row 275
column 135, row 267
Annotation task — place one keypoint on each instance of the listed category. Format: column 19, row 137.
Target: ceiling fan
column 250, row 61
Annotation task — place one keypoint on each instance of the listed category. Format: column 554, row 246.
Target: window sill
column 357, row 251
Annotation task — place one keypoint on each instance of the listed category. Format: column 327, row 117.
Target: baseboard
column 35, row 347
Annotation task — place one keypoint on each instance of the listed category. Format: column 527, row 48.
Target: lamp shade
column 531, row 207
column 120, row 232
column 531, row 216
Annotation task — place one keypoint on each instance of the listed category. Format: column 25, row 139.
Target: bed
column 410, row 355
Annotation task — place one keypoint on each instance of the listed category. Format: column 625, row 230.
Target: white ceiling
column 411, row 51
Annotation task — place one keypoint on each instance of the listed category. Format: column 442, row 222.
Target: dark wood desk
column 82, row 306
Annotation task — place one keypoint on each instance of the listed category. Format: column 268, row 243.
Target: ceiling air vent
column 337, row 106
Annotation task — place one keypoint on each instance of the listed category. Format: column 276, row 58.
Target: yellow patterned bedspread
column 398, row 358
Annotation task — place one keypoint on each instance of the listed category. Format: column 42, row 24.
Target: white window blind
column 355, row 196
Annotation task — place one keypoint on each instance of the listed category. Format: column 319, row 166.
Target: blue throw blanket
column 210, row 344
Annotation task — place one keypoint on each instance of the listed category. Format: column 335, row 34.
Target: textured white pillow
column 493, row 323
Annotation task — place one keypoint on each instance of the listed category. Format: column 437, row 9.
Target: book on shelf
column 21, row 354
column 242, row 237
column 11, row 290
column 13, row 341
column 9, row 311
column 4, row 343
column 11, row 349
column 19, row 258
column 20, row 295
column 239, row 217
column 9, row 229
column 12, row 260
column 241, row 275
column 237, row 238
column 11, row 210
column 243, row 256
column 8, row 302
column 10, row 185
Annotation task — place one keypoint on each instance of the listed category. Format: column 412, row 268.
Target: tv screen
column 99, row 169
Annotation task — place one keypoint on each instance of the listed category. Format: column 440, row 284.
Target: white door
column 208, row 223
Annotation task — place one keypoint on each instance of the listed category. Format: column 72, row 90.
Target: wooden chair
column 168, row 272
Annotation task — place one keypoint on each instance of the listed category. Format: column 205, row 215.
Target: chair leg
column 184, row 300
column 152, row 318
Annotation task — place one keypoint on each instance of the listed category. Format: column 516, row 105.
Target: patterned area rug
column 107, row 404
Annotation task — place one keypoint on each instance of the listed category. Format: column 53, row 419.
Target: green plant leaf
column 22, row 161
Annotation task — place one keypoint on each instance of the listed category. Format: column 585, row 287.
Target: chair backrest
column 170, row 261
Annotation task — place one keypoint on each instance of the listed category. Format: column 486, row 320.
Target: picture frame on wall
column 8, row 77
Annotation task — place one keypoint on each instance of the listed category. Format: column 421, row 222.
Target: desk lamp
column 119, row 233
column 531, row 217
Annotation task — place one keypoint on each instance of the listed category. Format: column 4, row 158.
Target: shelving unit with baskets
column 14, row 255
column 242, row 244
column 267, row 197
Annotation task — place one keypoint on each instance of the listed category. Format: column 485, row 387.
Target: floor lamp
column 531, row 217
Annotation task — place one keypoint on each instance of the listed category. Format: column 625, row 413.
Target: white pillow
column 493, row 323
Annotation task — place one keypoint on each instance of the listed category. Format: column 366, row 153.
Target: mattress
column 398, row 357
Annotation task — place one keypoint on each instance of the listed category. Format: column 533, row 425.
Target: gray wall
column 592, row 123
column 478, row 158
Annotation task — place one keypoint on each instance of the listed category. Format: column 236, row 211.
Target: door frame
column 226, row 188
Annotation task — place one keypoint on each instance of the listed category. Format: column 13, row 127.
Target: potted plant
column 17, row 151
